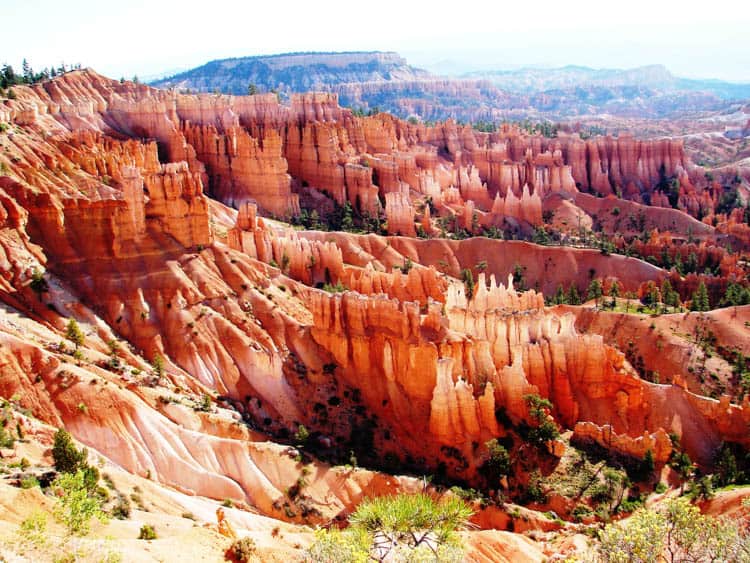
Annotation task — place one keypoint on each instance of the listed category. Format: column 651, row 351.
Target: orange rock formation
column 108, row 190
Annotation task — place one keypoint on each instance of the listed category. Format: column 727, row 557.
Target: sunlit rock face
column 152, row 213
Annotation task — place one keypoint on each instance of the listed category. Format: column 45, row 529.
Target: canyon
column 404, row 330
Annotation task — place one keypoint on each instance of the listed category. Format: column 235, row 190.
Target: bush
column 38, row 284
column 6, row 438
column 68, row 458
column 34, row 529
column 74, row 334
column 645, row 467
column 545, row 429
column 121, row 509
column 534, row 491
column 205, row 403
column 396, row 528
column 580, row 512
column 29, row 482
column 497, row 464
column 301, row 435
column 147, row 532
column 243, row 549
column 677, row 529
column 338, row 287
column 76, row 503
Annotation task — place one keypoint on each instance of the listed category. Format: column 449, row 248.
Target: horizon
column 518, row 67
column 477, row 68
column 156, row 39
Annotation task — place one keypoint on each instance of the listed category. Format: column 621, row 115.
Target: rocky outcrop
column 657, row 443
column 176, row 203
column 242, row 168
column 418, row 284
column 445, row 373
column 310, row 261
column 400, row 214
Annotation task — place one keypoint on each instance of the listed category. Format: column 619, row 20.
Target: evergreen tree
column 700, row 302
column 735, row 295
column 574, row 298
column 347, row 221
column 468, row 278
column 559, row 298
column 614, row 293
column 28, row 73
column 668, row 295
column 68, row 458
column 158, row 365
column 73, row 333
column 595, row 291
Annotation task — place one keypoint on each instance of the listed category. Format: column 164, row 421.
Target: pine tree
column 736, row 295
column 468, row 278
column 347, row 221
column 595, row 291
column 700, row 302
column 574, row 298
column 73, row 333
column 68, row 458
column 28, row 74
column 668, row 295
column 614, row 293
column 559, row 298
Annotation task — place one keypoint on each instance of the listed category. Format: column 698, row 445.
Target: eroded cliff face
column 108, row 188
column 246, row 149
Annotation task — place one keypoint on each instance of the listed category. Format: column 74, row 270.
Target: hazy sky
column 708, row 39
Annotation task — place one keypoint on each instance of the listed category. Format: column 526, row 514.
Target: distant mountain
column 655, row 77
column 385, row 81
column 294, row 72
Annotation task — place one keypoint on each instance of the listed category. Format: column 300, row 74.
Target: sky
column 153, row 37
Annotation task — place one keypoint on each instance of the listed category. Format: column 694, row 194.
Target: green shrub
column 29, row 482
column 121, row 509
column 6, row 438
column 38, row 284
column 34, row 529
column 205, row 403
column 676, row 531
column 497, row 464
column 396, row 528
column 147, row 532
column 76, row 503
column 301, row 435
column 244, row 549
column 545, row 429
column 338, row 287
column 68, row 458
column 74, row 334
column 580, row 512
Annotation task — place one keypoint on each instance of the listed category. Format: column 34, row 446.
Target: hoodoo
column 286, row 306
